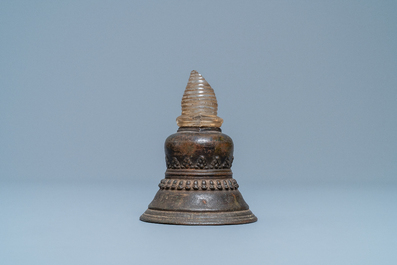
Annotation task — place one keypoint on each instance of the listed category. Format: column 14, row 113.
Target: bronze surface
column 198, row 188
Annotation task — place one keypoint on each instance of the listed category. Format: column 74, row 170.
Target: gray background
column 89, row 91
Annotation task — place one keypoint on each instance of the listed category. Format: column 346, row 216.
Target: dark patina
column 198, row 188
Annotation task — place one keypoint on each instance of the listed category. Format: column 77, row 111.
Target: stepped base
column 198, row 218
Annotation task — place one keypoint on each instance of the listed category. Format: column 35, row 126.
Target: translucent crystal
column 199, row 105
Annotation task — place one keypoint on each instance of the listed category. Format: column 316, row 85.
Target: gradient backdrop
column 89, row 91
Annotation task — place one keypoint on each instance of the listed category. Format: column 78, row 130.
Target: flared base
column 198, row 218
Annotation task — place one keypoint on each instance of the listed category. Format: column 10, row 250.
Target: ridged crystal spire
column 199, row 105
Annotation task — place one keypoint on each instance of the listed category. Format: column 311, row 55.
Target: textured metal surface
column 198, row 188
column 193, row 218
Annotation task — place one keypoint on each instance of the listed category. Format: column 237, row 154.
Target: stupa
column 198, row 188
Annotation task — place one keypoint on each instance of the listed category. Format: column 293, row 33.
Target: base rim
column 198, row 218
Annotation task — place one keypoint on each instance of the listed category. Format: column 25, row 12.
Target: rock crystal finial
column 199, row 105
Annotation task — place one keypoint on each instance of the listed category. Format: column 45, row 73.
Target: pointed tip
column 196, row 77
column 195, row 73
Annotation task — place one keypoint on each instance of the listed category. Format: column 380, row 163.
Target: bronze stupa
column 198, row 188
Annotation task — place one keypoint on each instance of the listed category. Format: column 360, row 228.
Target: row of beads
column 198, row 184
